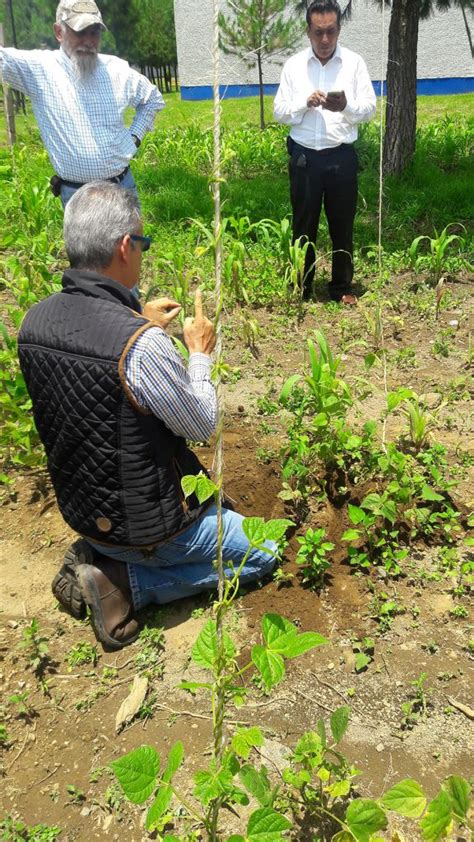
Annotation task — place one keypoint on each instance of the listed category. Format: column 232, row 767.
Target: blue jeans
column 184, row 566
column 128, row 182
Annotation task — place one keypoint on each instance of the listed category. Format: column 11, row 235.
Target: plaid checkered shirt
column 81, row 121
column 182, row 397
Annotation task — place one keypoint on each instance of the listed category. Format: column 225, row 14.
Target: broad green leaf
column 343, row 836
column 275, row 530
column 254, row 529
column 339, row 722
column 175, row 758
column 269, row 664
column 288, row 386
column 395, row 398
column 339, row 789
column 282, row 636
column 265, row 825
column 406, row 798
column 356, row 514
column 309, row 749
column 438, row 817
column 362, row 661
column 159, row 806
column 137, row 772
column 351, row 535
column 364, row 817
column 321, row 730
column 170, row 838
column 236, row 838
column 276, row 628
column 204, row 651
column 428, row 493
column 256, row 783
column 245, row 739
column 459, row 791
column 188, row 484
column 210, row 783
column 205, row 488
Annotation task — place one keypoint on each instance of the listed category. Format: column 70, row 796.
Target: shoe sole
column 92, row 599
column 65, row 586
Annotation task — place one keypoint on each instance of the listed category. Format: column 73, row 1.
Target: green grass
column 236, row 112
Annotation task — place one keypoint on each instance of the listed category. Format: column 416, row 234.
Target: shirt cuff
column 199, row 367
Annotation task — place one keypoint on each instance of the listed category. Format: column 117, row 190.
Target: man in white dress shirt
column 325, row 92
column 79, row 99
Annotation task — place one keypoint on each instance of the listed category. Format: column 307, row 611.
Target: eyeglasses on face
column 145, row 242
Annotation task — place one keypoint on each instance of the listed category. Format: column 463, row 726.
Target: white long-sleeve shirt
column 318, row 128
column 81, row 120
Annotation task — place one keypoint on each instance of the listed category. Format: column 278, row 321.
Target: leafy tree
column 258, row 29
column 155, row 36
column 400, row 132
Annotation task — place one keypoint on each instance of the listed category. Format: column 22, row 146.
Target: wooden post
column 8, row 105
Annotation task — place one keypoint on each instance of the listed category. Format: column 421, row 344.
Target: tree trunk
column 400, row 133
column 260, row 89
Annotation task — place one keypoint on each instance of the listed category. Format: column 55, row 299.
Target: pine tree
column 257, row 29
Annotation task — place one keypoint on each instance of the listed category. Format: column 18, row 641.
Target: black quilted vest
column 115, row 468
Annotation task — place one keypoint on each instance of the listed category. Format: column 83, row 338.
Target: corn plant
column 296, row 272
column 420, row 423
column 437, row 259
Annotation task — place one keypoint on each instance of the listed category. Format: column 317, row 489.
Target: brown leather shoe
column 349, row 300
column 106, row 590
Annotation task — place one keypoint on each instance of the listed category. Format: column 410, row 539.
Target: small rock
column 13, row 624
column 107, row 822
column 380, row 747
column 86, row 811
column 454, row 323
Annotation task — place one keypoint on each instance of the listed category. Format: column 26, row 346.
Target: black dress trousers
column 329, row 176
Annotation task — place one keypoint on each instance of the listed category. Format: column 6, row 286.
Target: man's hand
column 162, row 311
column 335, row 102
column 199, row 334
column 315, row 99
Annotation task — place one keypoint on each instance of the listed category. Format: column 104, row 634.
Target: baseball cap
column 79, row 14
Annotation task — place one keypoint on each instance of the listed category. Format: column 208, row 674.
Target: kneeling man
column 114, row 404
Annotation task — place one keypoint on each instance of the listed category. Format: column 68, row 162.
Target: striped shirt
column 182, row 397
column 81, row 120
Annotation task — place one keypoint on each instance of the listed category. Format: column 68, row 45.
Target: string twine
column 380, row 219
column 220, row 697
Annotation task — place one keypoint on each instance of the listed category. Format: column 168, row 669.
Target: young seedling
column 36, row 645
column 82, row 653
column 312, row 556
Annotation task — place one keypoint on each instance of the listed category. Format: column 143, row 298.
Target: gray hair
column 96, row 218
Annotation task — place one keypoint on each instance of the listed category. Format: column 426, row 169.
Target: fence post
column 8, row 104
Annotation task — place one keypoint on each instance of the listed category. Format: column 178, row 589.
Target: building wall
column 445, row 63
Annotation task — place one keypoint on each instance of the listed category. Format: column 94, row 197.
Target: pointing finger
column 198, row 304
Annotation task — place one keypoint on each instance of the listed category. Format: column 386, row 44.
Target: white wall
column 443, row 45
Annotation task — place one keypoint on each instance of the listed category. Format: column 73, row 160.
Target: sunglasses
column 145, row 242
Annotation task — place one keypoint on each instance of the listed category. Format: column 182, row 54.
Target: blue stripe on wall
column 453, row 85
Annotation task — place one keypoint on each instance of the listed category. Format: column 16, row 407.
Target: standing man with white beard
column 79, row 98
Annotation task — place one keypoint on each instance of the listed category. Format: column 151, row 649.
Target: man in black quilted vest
column 114, row 403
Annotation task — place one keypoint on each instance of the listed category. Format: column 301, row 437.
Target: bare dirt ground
column 54, row 765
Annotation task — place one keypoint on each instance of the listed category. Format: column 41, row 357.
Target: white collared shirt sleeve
column 181, row 396
column 362, row 105
column 147, row 101
column 289, row 107
column 20, row 69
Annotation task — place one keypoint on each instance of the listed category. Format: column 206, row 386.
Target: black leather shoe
column 65, row 586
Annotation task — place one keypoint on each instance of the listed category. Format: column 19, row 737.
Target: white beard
column 84, row 63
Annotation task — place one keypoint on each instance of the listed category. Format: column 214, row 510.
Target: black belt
column 115, row 179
